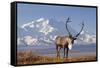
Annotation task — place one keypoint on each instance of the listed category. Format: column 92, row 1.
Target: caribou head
column 66, row 42
column 70, row 36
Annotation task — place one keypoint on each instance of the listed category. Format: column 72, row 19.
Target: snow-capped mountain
column 41, row 25
column 35, row 32
column 43, row 32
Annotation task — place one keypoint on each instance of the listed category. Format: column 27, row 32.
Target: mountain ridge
column 43, row 30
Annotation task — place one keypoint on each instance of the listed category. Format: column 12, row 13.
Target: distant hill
column 42, row 31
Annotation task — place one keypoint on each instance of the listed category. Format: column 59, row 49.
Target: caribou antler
column 80, row 30
column 68, row 20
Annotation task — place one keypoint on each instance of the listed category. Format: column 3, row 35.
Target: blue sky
column 29, row 12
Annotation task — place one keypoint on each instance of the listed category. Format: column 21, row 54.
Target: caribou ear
column 75, row 38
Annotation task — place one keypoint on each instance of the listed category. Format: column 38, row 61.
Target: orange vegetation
column 31, row 58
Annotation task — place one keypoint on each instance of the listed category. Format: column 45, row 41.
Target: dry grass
column 31, row 58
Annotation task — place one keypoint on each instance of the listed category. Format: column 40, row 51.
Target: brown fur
column 65, row 41
column 62, row 42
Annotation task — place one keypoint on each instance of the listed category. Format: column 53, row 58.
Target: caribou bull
column 66, row 42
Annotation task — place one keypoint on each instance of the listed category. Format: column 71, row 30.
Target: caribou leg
column 67, row 52
column 57, row 50
column 64, row 52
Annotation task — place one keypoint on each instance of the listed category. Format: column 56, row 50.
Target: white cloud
column 29, row 40
column 86, row 38
column 19, row 41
